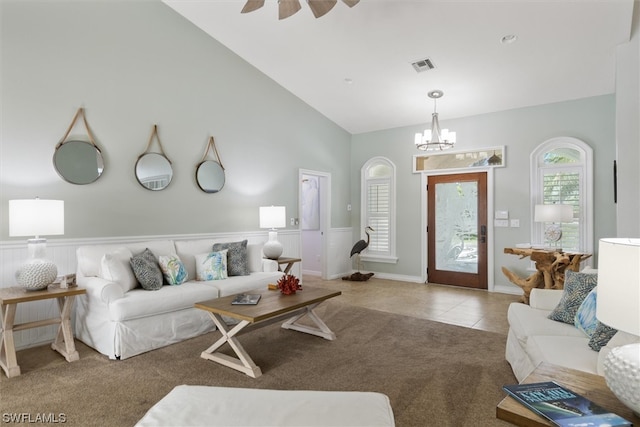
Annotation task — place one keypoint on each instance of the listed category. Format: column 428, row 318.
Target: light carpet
column 435, row 374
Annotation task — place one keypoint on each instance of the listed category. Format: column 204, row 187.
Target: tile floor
column 472, row 308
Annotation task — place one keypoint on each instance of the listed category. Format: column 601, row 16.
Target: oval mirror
column 154, row 171
column 78, row 162
column 210, row 176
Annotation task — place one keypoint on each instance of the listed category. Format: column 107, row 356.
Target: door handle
column 483, row 234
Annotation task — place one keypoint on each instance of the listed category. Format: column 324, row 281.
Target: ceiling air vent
column 423, row 65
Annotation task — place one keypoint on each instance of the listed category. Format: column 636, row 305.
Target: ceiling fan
column 286, row 8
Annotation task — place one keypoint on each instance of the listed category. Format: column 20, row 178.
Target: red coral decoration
column 289, row 284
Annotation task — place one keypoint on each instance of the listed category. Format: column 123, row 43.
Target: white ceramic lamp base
column 38, row 272
column 622, row 374
column 272, row 249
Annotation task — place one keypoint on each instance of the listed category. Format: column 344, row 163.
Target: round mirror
column 210, row 176
column 78, row 162
column 153, row 171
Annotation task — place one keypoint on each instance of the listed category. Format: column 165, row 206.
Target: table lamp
column 618, row 306
column 273, row 217
column 552, row 214
column 36, row 217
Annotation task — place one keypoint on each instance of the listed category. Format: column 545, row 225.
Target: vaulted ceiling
column 354, row 65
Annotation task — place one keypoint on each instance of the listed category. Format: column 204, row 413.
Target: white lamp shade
column 618, row 304
column 553, row 213
column 36, row 217
column 273, row 217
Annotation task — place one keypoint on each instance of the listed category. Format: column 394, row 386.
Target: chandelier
column 286, row 8
column 435, row 138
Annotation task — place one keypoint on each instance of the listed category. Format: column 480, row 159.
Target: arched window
column 379, row 209
column 562, row 173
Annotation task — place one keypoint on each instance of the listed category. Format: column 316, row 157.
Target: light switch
column 500, row 222
column 502, row 215
column 515, row 223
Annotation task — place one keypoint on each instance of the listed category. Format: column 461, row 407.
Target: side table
column 591, row 386
column 288, row 261
column 63, row 343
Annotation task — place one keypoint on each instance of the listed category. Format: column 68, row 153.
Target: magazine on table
column 562, row 406
column 246, row 299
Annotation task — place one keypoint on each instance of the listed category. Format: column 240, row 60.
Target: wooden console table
column 63, row 343
column 550, row 268
column 591, row 386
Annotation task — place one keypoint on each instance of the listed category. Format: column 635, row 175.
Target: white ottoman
column 187, row 405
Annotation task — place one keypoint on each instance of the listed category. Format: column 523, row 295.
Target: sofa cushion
column 238, row 284
column 172, row 269
column 254, row 255
column 563, row 351
column 115, row 267
column 139, row 303
column 585, row 319
column 237, row 257
column 601, row 336
column 212, row 265
column 147, row 271
column 525, row 321
column 576, row 288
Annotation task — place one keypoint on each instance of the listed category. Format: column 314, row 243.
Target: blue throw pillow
column 585, row 319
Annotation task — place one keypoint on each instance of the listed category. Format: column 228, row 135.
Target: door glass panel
column 456, row 226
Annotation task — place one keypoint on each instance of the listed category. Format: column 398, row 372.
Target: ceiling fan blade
column 351, row 3
column 286, row 8
column 321, row 7
column 252, row 5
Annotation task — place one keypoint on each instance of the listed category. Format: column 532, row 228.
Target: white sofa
column 121, row 322
column 533, row 338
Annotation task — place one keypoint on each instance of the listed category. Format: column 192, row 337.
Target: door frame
column 325, row 215
column 490, row 215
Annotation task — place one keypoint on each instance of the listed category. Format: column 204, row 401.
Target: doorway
column 457, row 229
column 314, row 208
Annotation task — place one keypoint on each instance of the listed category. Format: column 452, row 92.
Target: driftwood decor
column 550, row 268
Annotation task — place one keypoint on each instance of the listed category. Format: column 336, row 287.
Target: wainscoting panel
column 63, row 253
column 340, row 243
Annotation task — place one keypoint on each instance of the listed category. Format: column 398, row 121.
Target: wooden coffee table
column 591, row 386
column 271, row 306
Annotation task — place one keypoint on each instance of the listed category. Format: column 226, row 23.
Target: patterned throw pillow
column 237, row 257
column 146, row 269
column 601, row 336
column 585, row 319
column 173, row 269
column 576, row 288
column 212, row 266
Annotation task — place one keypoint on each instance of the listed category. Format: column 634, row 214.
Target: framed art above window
column 457, row 160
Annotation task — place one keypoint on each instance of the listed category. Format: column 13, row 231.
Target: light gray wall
column 522, row 130
column 628, row 132
column 133, row 64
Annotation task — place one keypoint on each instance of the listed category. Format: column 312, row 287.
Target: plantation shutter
column 379, row 215
column 562, row 186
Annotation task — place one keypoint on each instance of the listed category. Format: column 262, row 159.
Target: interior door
column 457, row 229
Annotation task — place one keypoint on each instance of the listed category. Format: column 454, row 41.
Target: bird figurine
column 361, row 245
